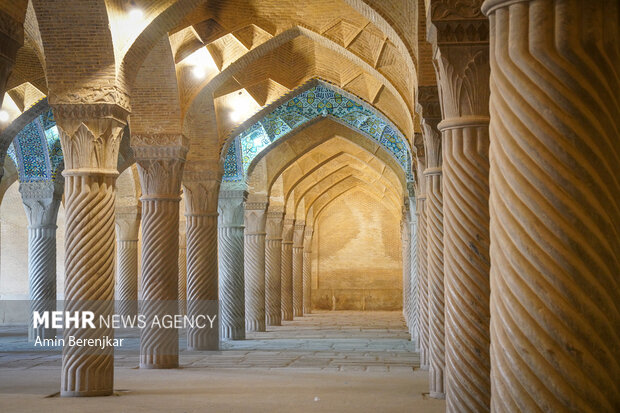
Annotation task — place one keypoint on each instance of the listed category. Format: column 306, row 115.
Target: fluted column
column 414, row 294
column 298, row 267
column 287, row 269
column 182, row 268
column 230, row 241
column 90, row 136
column 307, row 270
column 273, row 259
column 41, row 201
column 160, row 160
column 422, row 250
column 554, row 191
column 463, row 75
column 254, row 265
column 201, row 185
column 406, row 263
column 431, row 115
column 127, row 228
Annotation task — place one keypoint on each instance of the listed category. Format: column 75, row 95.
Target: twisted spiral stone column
column 298, row 267
column 160, row 160
column 463, row 73
column 466, row 264
column 182, row 269
column 273, row 257
column 414, row 297
column 230, row 241
column 41, row 201
column 406, row 264
column 201, row 191
column 555, row 244
column 127, row 227
column 254, row 266
column 307, row 270
column 287, row 269
column 90, row 136
column 423, row 282
column 435, row 283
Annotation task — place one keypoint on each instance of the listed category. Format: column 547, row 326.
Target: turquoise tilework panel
column 36, row 150
column 320, row 100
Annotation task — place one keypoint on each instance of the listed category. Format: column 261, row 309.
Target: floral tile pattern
column 321, row 100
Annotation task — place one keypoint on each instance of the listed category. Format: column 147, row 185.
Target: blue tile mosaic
column 323, row 100
column 36, row 150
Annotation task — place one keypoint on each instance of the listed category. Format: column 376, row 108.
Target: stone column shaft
column 307, row 270
column 127, row 229
column 90, row 136
column 428, row 100
column 414, row 295
column 554, row 191
column 287, row 269
column 160, row 160
column 273, row 259
column 298, row 263
column 406, row 260
column 423, row 281
column 201, row 190
column 254, row 266
column 463, row 75
column 182, row 269
column 230, row 241
column 41, row 201
column 435, row 283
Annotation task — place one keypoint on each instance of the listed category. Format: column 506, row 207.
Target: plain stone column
column 254, row 265
column 298, row 267
column 554, row 205
column 463, row 70
column 273, row 270
column 307, row 270
column 428, row 99
column 182, row 268
column 287, row 269
column 41, row 202
column 89, row 237
column 230, row 241
column 201, row 185
column 127, row 229
column 160, row 160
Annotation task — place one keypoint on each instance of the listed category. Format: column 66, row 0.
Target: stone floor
column 327, row 362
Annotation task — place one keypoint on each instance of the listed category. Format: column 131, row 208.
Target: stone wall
column 357, row 261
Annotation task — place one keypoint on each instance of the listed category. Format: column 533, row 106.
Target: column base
column 255, row 325
column 273, row 320
column 159, row 366
column 232, row 333
column 91, row 393
column 436, row 395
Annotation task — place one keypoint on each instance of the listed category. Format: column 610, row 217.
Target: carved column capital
column 273, row 226
column 255, row 217
column 90, row 135
column 41, row 202
column 429, row 109
column 298, row 233
column 231, row 208
column 201, row 191
column 128, row 223
column 287, row 230
column 160, row 160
